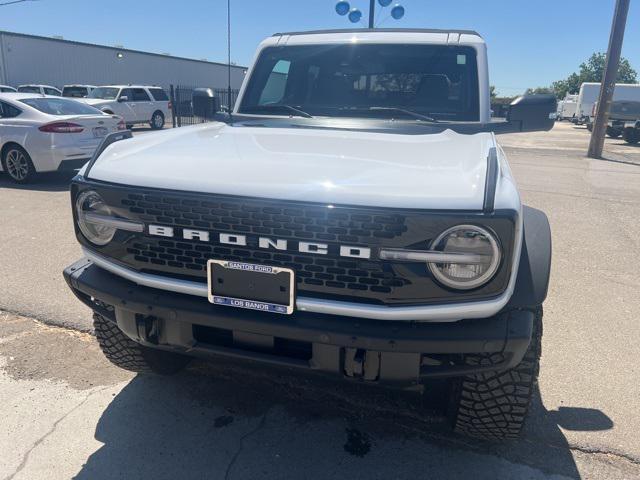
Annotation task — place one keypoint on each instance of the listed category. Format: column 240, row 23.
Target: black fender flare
column 532, row 282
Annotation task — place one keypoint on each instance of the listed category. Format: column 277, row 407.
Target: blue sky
column 531, row 43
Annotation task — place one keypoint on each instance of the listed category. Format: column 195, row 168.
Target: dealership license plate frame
column 255, row 275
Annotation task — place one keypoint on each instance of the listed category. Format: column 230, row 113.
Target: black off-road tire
column 494, row 405
column 631, row 135
column 614, row 132
column 129, row 355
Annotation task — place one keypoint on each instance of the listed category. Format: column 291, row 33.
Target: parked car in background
column 136, row 104
column 41, row 89
column 77, row 91
column 589, row 94
column 622, row 113
column 46, row 133
column 7, row 88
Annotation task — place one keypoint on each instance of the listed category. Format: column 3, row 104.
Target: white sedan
column 40, row 133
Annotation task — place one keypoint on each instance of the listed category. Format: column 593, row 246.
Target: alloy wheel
column 17, row 165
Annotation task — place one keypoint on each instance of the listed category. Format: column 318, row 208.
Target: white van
column 589, row 93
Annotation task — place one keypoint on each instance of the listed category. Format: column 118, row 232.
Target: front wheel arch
column 534, row 270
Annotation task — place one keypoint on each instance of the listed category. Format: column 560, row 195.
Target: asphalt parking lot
column 68, row 413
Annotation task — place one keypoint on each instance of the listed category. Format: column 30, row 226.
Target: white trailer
column 590, row 92
column 568, row 109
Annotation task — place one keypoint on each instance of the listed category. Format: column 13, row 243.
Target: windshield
column 74, row 92
column 421, row 82
column 105, row 93
column 29, row 89
column 60, row 106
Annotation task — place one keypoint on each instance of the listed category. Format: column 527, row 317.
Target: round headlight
column 90, row 206
column 478, row 257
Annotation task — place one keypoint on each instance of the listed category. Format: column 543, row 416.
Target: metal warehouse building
column 58, row 62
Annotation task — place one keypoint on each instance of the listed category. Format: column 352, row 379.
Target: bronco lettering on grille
column 266, row 243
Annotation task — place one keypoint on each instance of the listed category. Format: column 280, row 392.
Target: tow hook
column 148, row 328
column 361, row 363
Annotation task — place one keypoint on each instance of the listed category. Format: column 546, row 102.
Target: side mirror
column 205, row 104
column 123, row 98
column 532, row 113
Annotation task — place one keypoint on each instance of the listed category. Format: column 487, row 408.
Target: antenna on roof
column 229, row 61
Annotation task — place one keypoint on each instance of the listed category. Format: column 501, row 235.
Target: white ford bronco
column 354, row 216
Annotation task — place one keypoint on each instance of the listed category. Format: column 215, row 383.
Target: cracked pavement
column 67, row 413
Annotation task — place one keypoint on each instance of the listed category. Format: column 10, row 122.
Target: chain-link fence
column 182, row 103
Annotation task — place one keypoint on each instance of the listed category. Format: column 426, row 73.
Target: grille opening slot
column 282, row 347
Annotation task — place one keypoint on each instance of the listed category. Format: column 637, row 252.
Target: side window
column 159, row 94
column 139, row 95
column 51, row 91
column 276, row 83
column 8, row 111
column 126, row 92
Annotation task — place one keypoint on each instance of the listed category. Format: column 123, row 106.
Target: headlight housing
column 89, row 208
column 478, row 246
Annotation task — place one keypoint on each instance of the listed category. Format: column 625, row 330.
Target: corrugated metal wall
column 30, row 59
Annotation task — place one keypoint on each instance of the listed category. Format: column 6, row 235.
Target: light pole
column 609, row 79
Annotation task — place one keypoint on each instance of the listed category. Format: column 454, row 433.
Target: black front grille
column 327, row 276
column 311, row 270
column 313, row 223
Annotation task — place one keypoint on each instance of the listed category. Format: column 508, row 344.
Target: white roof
column 129, row 86
column 444, row 37
column 20, row 95
column 37, row 85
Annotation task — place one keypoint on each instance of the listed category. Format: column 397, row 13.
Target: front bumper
column 399, row 353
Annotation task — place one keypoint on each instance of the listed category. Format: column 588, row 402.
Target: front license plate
column 100, row 132
column 252, row 286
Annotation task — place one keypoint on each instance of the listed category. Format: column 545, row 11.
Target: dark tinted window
column 8, row 111
column 60, row 106
column 366, row 81
column 75, row 92
column 51, row 91
column 29, row 89
column 158, row 94
column 6, row 89
column 139, row 95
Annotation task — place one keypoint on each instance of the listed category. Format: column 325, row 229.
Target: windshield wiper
column 410, row 113
column 279, row 106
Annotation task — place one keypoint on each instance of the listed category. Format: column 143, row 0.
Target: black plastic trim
column 534, row 271
column 508, row 333
column 491, row 181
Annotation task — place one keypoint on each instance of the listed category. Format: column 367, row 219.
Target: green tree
column 592, row 70
column 538, row 90
column 493, row 92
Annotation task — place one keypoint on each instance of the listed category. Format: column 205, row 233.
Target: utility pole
column 609, row 80
column 372, row 10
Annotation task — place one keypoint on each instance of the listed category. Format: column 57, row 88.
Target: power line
column 16, row 1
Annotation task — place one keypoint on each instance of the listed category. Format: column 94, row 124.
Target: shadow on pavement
column 44, row 182
column 225, row 421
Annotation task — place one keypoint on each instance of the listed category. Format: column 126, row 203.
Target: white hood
column 434, row 171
